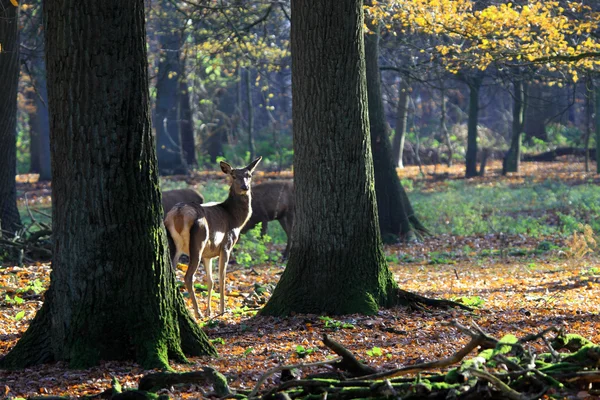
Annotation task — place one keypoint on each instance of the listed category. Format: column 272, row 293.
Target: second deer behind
column 207, row 231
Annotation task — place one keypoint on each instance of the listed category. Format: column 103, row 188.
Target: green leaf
column 19, row 315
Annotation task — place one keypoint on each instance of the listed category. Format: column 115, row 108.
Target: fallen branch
column 455, row 358
column 349, row 362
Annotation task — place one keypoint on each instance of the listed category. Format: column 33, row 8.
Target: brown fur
column 172, row 197
column 208, row 231
column 273, row 200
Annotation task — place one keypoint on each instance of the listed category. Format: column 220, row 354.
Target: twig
column 507, row 390
column 272, row 371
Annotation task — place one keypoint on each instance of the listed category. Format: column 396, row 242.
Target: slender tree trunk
column 589, row 91
column 512, row 159
column 9, row 79
column 597, row 96
column 39, row 122
column 401, row 120
column 166, row 118
column 444, row 127
column 186, row 124
column 396, row 216
column 250, row 110
column 471, row 158
column 113, row 293
column 336, row 262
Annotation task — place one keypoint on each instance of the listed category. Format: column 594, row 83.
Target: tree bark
column 396, row 216
column 401, row 120
column 512, row 159
column 166, row 116
column 471, row 157
column 113, row 293
column 10, row 220
column 336, row 262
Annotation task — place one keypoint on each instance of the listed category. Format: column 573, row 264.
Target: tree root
column 416, row 301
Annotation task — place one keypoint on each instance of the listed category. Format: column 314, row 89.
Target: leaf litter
column 515, row 292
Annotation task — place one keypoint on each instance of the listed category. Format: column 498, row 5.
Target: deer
column 272, row 201
column 207, row 231
column 172, row 197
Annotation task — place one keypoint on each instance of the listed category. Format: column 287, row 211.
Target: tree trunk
column 589, row 92
column 9, row 79
column 113, row 293
column 39, row 122
column 166, row 117
column 250, row 111
column 186, row 124
column 401, row 120
column 336, row 262
column 471, row 158
column 512, row 159
column 444, row 127
column 597, row 96
column 396, row 216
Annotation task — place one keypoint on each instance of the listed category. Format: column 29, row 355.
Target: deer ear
column 225, row 167
column 253, row 164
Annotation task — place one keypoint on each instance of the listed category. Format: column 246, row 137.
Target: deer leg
column 223, row 261
column 196, row 249
column 209, row 282
column 286, row 223
column 263, row 228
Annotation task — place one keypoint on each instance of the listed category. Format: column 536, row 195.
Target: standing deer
column 272, row 201
column 206, row 231
column 172, row 197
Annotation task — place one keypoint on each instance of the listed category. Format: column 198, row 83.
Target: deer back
column 172, row 197
column 270, row 201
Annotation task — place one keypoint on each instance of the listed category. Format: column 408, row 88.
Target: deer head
column 241, row 178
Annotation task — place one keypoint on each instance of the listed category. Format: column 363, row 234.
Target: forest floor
column 516, row 283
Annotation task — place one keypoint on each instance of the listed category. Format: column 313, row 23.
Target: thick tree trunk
column 512, row 159
column 166, row 116
column 113, row 293
column 186, row 124
column 39, row 122
column 336, row 263
column 401, row 120
column 396, row 216
column 471, row 157
column 9, row 79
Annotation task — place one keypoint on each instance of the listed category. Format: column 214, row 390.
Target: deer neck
column 238, row 206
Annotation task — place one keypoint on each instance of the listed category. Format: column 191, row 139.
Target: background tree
column 9, row 76
column 167, row 117
column 113, row 293
column 396, row 215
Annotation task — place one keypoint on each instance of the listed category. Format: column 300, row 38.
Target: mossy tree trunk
column 166, row 116
column 112, row 293
column 471, row 157
column 336, row 263
column 9, row 79
column 512, row 159
column 396, row 215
